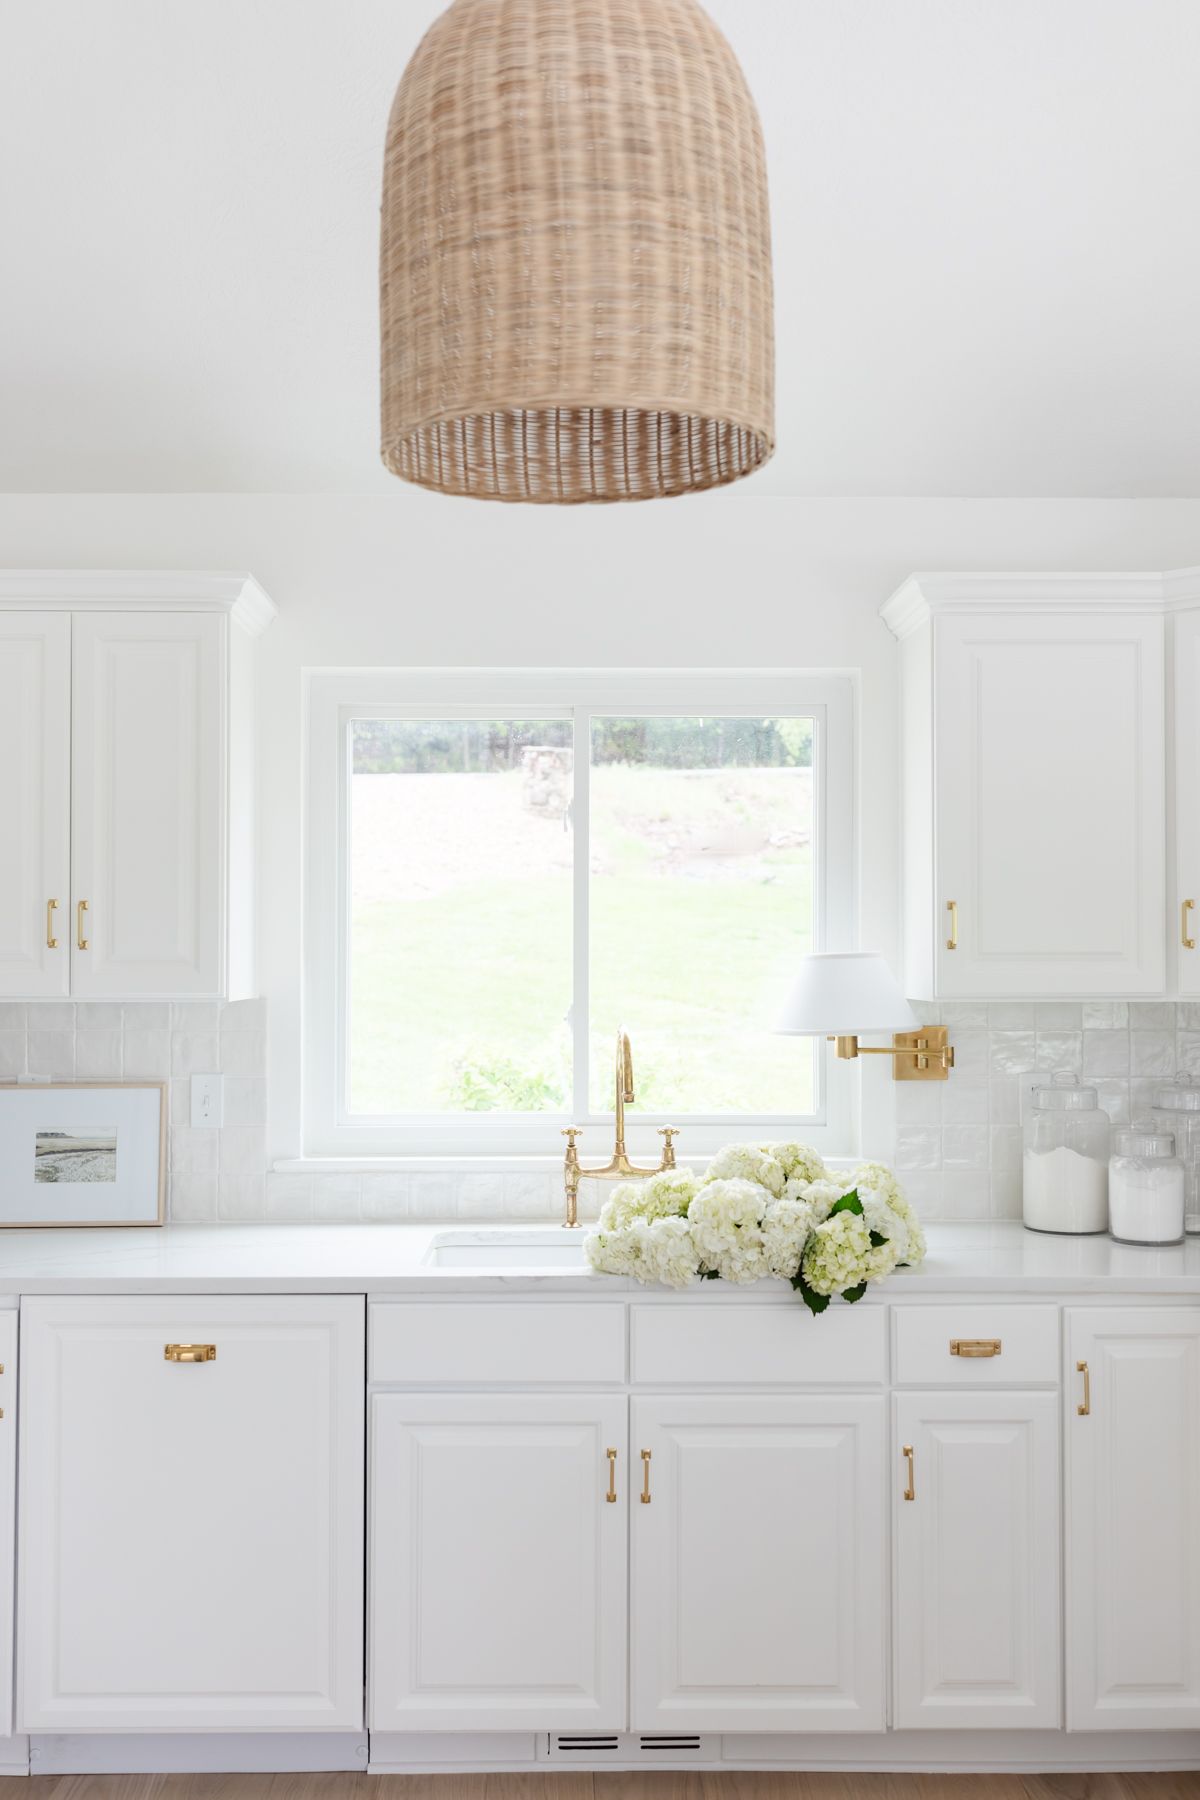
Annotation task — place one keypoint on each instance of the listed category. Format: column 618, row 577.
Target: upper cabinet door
column 1185, row 903
column 35, row 804
column 1049, row 756
column 1133, row 1502
column 738, row 1623
column 148, row 791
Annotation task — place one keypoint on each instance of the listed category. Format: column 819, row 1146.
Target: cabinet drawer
column 496, row 1341
column 976, row 1346
column 769, row 1346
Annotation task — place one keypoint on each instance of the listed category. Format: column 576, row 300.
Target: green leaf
column 848, row 1203
column 877, row 1240
column 710, row 1275
column 850, row 1295
column 816, row 1303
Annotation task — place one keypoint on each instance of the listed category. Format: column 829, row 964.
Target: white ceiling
column 986, row 214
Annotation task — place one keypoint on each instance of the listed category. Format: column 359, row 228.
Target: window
column 504, row 868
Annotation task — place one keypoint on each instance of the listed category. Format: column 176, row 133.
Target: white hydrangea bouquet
column 761, row 1210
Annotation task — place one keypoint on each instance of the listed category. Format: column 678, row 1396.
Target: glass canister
column 1145, row 1186
column 1065, row 1166
column 1177, row 1109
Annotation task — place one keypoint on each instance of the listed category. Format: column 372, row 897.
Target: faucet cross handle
column 670, row 1133
column 571, row 1132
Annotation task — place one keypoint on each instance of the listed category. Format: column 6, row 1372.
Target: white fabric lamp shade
column 844, row 995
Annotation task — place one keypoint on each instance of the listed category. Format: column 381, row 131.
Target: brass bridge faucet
column 620, row 1168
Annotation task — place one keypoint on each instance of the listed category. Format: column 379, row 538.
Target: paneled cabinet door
column 1049, row 773
column 977, row 1624
column 758, row 1564
column 35, row 804
column 498, row 1562
column 148, row 784
column 1185, row 912
column 191, row 1542
column 1133, row 1503
column 8, row 1510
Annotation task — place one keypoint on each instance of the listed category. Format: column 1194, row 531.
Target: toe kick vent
column 632, row 1748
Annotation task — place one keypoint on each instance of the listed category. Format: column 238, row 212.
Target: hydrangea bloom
column 798, row 1161
column 743, row 1162
column 661, row 1196
column 726, row 1224
column 786, row 1229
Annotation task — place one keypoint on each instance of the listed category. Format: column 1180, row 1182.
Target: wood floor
column 653, row 1786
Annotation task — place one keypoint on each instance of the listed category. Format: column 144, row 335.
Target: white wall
column 409, row 579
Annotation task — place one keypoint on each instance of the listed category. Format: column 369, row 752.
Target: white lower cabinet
column 758, row 1563
column 498, row 1562
column 1133, row 1518
column 191, row 1503
column 8, row 1510
column 977, row 1592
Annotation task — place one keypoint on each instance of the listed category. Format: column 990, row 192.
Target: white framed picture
column 83, row 1153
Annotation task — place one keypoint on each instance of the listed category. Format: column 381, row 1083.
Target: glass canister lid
column 1064, row 1093
column 1143, row 1139
column 1180, row 1095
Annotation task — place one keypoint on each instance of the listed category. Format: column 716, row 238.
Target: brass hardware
column 910, row 1492
column 51, row 909
column 611, row 1495
column 189, row 1353
column 974, row 1346
column 80, row 940
column 922, row 1055
column 645, row 1477
column 1189, row 943
column 619, row 1168
column 1085, row 1405
column 952, row 909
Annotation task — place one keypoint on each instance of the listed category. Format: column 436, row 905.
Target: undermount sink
column 541, row 1247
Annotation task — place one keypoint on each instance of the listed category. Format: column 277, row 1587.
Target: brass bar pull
column 645, row 1477
column 51, row 909
column 189, row 1353
column 80, row 940
column 952, row 909
column 611, row 1495
column 1189, row 943
column 1085, row 1405
column 975, row 1346
column 910, row 1492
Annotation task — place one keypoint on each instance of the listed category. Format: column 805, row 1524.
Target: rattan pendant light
column 576, row 256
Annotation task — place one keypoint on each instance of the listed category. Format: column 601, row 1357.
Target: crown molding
column 925, row 596
column 139, row 590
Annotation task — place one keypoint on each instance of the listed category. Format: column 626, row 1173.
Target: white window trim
column 333, row 697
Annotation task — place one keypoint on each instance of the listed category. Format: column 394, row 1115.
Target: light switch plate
column 208, row 1101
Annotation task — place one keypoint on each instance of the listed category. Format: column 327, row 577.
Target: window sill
column 461, row 1165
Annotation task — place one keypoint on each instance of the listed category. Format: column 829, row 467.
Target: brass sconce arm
column 923, row 1055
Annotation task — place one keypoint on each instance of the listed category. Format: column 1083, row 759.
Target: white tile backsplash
column 958, row 1144
column 1123, row 1048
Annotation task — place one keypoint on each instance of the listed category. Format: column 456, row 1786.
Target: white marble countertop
column 391, row 1259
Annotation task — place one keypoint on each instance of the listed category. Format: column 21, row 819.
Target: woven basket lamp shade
column 576, row 256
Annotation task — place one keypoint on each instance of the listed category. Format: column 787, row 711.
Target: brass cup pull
column 1189, row 943
column 1085, row 1405
column 910, row 1492
column 189, row 1353
column 645, row 1477
column 80, row 940
column 611, row 1495
column 952, row 909
column 975, row 1346
column 51, row 909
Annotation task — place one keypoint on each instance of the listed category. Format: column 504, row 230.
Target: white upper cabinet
column 758, row 1563
column 1185, row 900
column 1133, row 1502
column 1035, row 741
column 35, row 805
column 126, row 713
